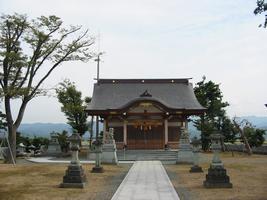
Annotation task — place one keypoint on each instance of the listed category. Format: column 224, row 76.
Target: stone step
column 147, row 155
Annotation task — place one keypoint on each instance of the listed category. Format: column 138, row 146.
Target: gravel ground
column 183, row 193
column 112, row 185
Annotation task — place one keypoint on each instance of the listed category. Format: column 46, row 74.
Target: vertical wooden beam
column 166, row 131
column 97, row 127
column 104, row 126
column 125, row 132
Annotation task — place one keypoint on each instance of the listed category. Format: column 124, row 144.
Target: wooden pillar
column 125, row 132
column 97, row 127
column 91, row 131
column 166, row 131
column 104, row 126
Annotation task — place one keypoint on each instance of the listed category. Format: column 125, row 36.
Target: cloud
column 163, row 39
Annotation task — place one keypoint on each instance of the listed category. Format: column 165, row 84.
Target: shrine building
column 145, row 113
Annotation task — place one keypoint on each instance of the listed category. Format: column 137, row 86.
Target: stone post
column 196, row 145
column 185, row 154
column 97, row 149
column 216, row 177
column 75, row 176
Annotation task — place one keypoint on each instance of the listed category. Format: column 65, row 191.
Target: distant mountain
column 259, row 122
column 44, row 129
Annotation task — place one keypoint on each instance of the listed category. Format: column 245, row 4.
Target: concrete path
column 146, row 180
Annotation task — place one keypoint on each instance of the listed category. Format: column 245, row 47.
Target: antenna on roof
column 98, row 57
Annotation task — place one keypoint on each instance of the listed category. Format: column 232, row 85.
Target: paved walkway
column 146, row 180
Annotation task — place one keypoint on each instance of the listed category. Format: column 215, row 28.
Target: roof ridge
column 169, row 80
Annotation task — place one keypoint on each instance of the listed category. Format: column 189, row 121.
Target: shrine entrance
column 150, row 137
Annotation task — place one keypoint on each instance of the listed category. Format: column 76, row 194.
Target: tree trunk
column 12, row 127
column 12, row 138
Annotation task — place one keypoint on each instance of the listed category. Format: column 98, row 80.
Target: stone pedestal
column 54, row 148
column 217, row 177
column 185, row 154
column 75, row 176
column 109, row 151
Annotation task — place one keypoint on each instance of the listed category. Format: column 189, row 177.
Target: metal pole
column 98, row 59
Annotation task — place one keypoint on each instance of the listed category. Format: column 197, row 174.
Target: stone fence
column 242, row 148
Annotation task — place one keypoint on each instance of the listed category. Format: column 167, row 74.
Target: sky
column 160, row 39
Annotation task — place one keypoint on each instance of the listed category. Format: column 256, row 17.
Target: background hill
column 44, row 129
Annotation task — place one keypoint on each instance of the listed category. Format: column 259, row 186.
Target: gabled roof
column 118, row 94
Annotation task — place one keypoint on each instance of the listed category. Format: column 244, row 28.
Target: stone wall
column 241, row 148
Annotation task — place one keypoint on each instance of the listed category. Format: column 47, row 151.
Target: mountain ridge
column 44, row 129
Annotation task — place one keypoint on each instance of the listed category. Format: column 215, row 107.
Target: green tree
column 38, row 141
column 62, row 140
column 254, row 135
column 210, row 96
column 73, row 106
column 228, row 129
column 261, row 8
column 30, row 50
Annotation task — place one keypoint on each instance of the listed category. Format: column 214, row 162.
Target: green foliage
column 73, row 106
column 210, row 96
column 36, row 141
column 254, row 136
column 26, row 45
column 229, row 131
column 261, row 7
column 62, row 139
column 30, row 50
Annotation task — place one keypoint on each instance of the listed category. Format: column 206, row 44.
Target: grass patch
column 247, row 173
column 41, row 181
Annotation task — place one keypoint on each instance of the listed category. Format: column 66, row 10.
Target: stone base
column 72, row 185
column 185, row 157
column 109, row 154
column 97, row 170
column 217, row 178
column 196, row 169
column 53, row 150
column 75, row 177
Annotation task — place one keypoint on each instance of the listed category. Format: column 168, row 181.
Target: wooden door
column 150, row 139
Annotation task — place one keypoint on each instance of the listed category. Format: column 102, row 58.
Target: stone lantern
column 217, row 177
column 184, row 154
column 75, row 176
column 196, row 149
column 97, row 149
